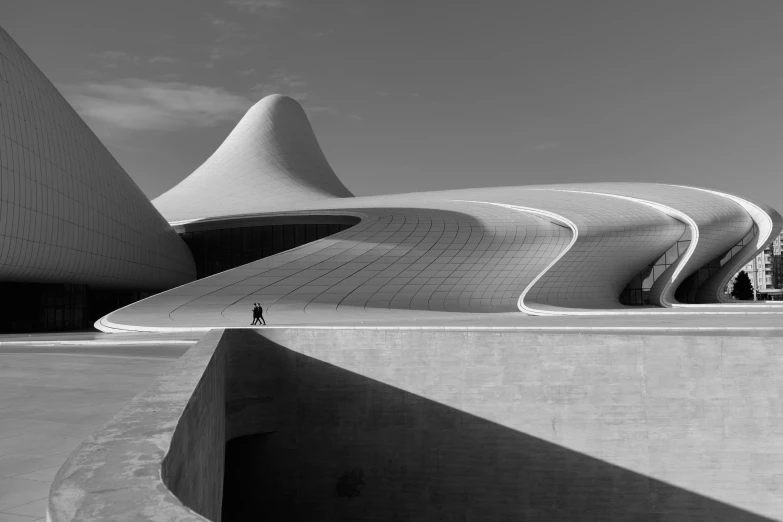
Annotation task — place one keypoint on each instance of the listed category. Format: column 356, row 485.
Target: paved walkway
column 56, row 390
column 724, row 319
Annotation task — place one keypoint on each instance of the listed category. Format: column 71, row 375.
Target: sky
column 414, row 95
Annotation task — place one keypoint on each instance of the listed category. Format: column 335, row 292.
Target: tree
column 743, row 289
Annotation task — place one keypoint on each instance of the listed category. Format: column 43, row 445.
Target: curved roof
column 567, row 249
column 545, row 250
column 269, row 161
column 69, row 213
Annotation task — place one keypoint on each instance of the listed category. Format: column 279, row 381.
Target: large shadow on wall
column 346, row 447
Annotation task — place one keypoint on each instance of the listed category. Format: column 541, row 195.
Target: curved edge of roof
column 769, row 223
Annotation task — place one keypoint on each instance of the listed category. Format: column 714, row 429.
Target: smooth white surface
column 270, row 161
column 453, row 256
column 68, row 211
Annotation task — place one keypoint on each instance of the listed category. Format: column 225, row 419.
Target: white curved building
column 408, row 370
column 271, row 160
column 267, row 221
column 69, row 214
column 577, row 249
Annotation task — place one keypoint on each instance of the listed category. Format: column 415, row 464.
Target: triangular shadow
column 347, row 447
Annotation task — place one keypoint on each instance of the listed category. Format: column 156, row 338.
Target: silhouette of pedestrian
column 261, row 314
column 255, row 314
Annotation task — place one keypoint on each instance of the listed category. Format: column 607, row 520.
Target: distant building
column 766, row 272
column 767, row 275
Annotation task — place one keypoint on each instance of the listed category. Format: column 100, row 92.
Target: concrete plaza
column 58, row 389
column 55, row 390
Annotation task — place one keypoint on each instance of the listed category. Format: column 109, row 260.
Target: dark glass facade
column 777, row 271
column 637, row 292
column 686, row 292
column 31, row 307
column 217, row 250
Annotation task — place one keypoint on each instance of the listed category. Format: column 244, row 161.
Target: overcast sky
column 408, row 95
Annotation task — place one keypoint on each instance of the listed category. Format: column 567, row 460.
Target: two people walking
column 258, row 315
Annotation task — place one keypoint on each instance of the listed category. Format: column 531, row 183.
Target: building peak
column 270, row 158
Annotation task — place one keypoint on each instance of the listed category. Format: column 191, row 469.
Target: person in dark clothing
column 258, row 315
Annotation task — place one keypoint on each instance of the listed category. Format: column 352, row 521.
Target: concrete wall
column 116, row 473
column 193, row 466
column 414, row 425
column 405, row 425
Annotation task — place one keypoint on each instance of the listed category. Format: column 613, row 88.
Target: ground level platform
column 56, row 390
column 756, row 318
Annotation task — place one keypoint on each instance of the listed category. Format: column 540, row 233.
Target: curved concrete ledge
column 116, row 474
column 162, row 457
column 654, row 428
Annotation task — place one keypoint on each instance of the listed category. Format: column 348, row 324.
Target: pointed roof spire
column 270, row 158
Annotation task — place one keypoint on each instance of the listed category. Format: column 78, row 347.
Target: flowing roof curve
column 270, row 160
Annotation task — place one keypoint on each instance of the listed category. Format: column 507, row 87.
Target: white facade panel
column 69, row 213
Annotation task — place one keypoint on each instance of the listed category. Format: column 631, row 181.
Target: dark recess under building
column 43, row 307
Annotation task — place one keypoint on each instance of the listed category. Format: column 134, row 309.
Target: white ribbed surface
column 68, row 212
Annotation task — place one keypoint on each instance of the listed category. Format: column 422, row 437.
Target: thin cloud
column 113, row 59
column 316, row 34
column 231, row 40
column 136, row 104
column 328, row 109
column 259, row 6
column 293, row 85
column 297, row 87
column 162, row 59
column 550, row 145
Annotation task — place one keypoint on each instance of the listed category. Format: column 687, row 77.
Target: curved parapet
column 270, row 160
column 715, row 223
column 716, row 227
column 618, row 236
column 672, row 276
column 769, row 224
column 457, row 410
column 68, row 211
column 161, row 458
